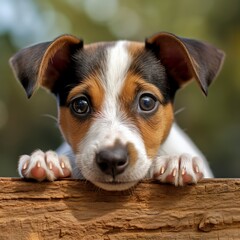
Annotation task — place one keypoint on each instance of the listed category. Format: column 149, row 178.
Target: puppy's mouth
column 115, row 186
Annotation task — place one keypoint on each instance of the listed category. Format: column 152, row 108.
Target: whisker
column 51, row 117
column 179, row 111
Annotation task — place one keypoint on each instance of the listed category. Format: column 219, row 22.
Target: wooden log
column 73, row 209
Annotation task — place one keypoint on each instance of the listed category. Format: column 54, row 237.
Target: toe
column 171, row 178
column 187, row 179
column 65, row 166
column 196, row 168
column 23, row 164
column 37, row 172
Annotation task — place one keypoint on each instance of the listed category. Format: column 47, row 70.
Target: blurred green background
column 212, row 122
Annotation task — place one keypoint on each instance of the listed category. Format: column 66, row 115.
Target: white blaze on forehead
column 112, row 124
column 118, row 61
column 117, row 64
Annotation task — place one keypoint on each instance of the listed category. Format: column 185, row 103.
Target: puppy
column 115, row 102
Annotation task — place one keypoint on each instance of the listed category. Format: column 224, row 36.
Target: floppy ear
column 185, row 59
column 43, row 63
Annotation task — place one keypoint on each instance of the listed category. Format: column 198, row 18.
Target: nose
column 112, row 160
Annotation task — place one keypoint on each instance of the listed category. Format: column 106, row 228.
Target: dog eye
column 147, row 102
column 80, row 105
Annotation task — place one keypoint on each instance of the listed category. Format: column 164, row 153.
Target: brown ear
column 185, row 59
column 43, row 63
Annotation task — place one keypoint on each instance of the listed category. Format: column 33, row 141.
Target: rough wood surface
column 71, row 209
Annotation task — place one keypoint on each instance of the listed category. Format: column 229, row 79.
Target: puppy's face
column 115, row 99
column 116, row 113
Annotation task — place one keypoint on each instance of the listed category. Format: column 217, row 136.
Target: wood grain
column 72, row 209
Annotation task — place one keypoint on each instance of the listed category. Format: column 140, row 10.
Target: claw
column 174, row 173
column 38, row 164
column 25, row 166
column 50, row 166
column 162, row 170
column 197, row 169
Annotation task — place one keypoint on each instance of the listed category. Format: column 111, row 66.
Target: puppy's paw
column 44, row 166
column 178, row 170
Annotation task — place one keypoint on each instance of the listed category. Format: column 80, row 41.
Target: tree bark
column 73, row 209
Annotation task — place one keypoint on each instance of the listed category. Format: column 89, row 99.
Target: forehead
column 110, row 63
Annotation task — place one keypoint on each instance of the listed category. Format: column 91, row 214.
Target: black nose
column 112, row 160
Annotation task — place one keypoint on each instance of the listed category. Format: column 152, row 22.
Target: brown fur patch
column 73, row 128
column 132, row 152
column 61, row 46
column 93, row 88
column 135, row 47
column 134, row 83
column 154, row 129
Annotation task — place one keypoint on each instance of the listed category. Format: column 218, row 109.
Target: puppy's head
column 115, row 98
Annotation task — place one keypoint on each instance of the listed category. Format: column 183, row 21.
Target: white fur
column 111, row 125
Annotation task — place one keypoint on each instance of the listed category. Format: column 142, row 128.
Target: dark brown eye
column 147, row 102
column 80, row 105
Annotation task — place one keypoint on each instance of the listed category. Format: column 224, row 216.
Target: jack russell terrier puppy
column 115, row 102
